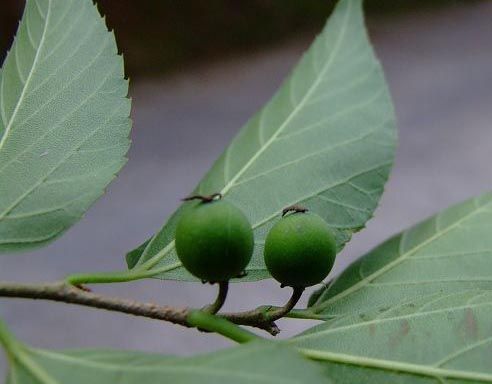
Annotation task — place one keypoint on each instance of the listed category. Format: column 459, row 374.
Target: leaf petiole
column 208, row 322
column 118, row 276
column 307, row 314
column 7, row 340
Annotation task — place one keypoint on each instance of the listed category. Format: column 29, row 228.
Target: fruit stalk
column 221, row 298
column 264, row 317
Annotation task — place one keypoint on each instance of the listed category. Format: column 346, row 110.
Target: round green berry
column 300, row 250
column 214, row 240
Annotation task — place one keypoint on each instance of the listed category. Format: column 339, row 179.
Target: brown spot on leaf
column 400, row 334
column 470, row 324
column 372, row 329
column 405, row 328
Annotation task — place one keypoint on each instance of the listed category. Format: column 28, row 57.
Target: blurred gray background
column 439, row 67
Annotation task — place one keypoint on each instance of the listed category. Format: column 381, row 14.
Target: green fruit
column 214, row 241
column 300, row 250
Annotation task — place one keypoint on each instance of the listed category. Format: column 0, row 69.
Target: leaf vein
column 19, row 153
column 328, row 64
column 462, row 351
column 29, row 77
column 316, row 193
column 306, row 157
column 41, row 181
column 398, row 260
column 332, row 118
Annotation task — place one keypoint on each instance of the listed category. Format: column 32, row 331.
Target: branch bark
column 66, row 293
column 265, row 317
column 262, row 317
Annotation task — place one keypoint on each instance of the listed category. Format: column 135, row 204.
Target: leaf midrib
column 395, row 366
column 29, row 77
column 22, row 358
column 198, row 369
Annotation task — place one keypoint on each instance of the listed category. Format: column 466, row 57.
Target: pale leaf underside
column 417, row 308
column 64, row 120
column 326, row 140
column 250, row 364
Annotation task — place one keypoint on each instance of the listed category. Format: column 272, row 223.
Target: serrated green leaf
column 433, row 339
column 264, row 363
column 64, row 120
column 326, row 140
column 419, row 304
column 448, row 253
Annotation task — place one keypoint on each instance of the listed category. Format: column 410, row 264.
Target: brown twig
column 66, row 293
column 262, row 318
